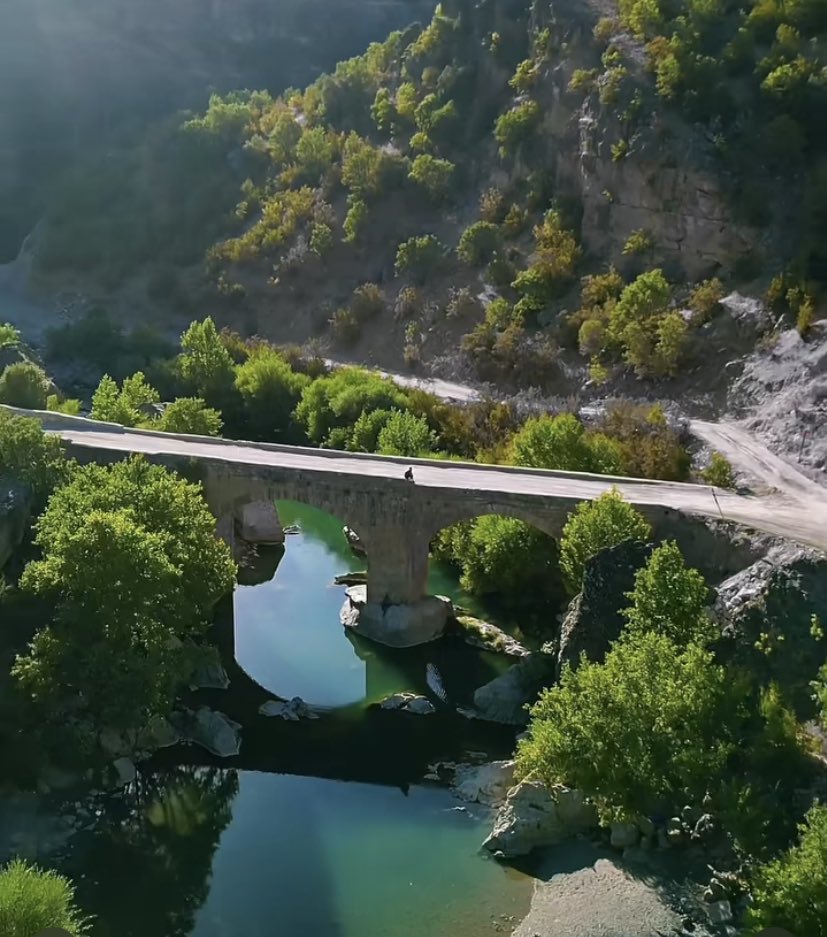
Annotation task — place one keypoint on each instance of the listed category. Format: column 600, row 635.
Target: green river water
column 318, row 829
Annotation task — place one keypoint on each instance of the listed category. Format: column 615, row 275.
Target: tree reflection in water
column 148, row 864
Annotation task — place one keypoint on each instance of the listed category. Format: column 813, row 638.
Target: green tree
column 190, row 415
column 270, row 390
column 516, row 126
column 434, row 175
column 366, row 430
column 24, row 384
column 478, row 243
column 205, row 364
column 29, row 455
column 330, row 406
column 125, row 405
column 552, row 442
column 32, row 899
column 594, row 526
column 670, row 598
column 9, row 335
column 641, row 733
column 405, row 434
column 719, row 472
column 791, row 891
column 419, row 256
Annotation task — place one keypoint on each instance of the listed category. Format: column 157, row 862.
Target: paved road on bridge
column 796, row 507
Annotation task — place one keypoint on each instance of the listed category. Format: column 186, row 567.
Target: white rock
column 484, row 784
column 533, row 815
column 258, row 522
column 409, row 703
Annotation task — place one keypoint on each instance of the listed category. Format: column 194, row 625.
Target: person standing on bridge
column 409, row 475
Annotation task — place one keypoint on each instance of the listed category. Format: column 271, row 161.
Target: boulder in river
column 404, row 625
column 212, row 730
column 258, row 522
column 534, row 815
column 482, row 634
column 354, row 541
column 291, row 710
column 409, row 703
column 484, row 784
column 504, row 698
column 594, row 619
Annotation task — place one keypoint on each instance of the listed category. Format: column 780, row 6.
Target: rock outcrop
column 482, row 634
column 534, row 815
column 594, row 617
column 504, row 698
column 258, row 522
column 15, row 506
column 396, row 625
column 484, row 784
column 408, row 703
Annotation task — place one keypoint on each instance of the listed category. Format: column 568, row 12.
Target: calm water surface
column 214, row 851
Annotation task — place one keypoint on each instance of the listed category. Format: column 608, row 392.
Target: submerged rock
column 396, row 625
column 594, row 619
column 484, row 784
column 408, row 703
column 292, row 710
column 482, row 634
column 211, row 730
column 534, row 815
column 504, row 698
column 258, row 522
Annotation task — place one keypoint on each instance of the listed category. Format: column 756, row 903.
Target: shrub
column 525, row 77
column 594, row 526
column 405, row 434
column 321, row 238
column 408, row 303
column 493, row 205
column 670, row 598
column 478, row 243
column 30, row 455
column 24, row 384
column 719, row 472
column 650, row 447
column 367, row 302
column 462, row 303
column 641, row 733
column 419, row 257
column 355, row 219
column 805, row 316
column 190, row 415
column 434, row 175
column 125, row 405
column 558, row 442
column 638, row 242
column 515, row 127
column 9, row 335
column 205, row 364
column 583, row 79
column 32, row 900
column 270, row 390
column 345, row 326
column 705, row 300
column 791, row 891
column 70, row 406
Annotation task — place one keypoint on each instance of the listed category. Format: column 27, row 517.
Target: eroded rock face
column 504, row 698
column 396, row 625
column 258, row 522
column 534, row 815
column 484, row 784
column 15, row 505
column 594, row 617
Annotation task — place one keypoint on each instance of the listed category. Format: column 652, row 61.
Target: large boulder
column 484, row 784
column 594, row 617
column 504, row 698
column 15, row 507
column 408, row 703
column 258, row 522
column 210, row 729
column 773, row 617
column 534, row 815
column 396, row 625
column 290, row 710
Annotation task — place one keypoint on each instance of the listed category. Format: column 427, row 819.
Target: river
column 321, row 828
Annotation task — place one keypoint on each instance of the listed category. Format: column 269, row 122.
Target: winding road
column 794, row 507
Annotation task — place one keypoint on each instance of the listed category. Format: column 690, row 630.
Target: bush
column 9, row 335
column 29, row 455
column 205, row 364
column 650, row 447
column 638, row 242
column 515, row 127
column 641, row 733
column 367, row 302
column 408, row 304
column 705, row 300
column 32, row 900
column 355, row 219
column 719, row 472
column 493, row 205
column 190, row 415
column 594, row 526
column 126, row 405
column 270, row 390
column 434, row 175
column 791, row 891
column 405, row 434
column 345, row 326
column 670, row 598
column 24, row 384
column 561, row 443
column 478, row 243
column 419, row 256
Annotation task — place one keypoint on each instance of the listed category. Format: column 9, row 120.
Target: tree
column 9, row 335
column 366, row 430
column 557, row 442
column 641, row 733
column 433, row 175
column 405, row 434
column 791, row 891
column 646, row 297
column 24, row 384
column 719, row 472
column 205, row 363
column 330, row 406
column 153, row 537
column 419, row 256
column 670, row 598
column 125, row 406
column 515, row 127
column 594, row 526
column 29, row 455
column 478, row 243
column 190, row 415
column 32, row 899
column 270, row 390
